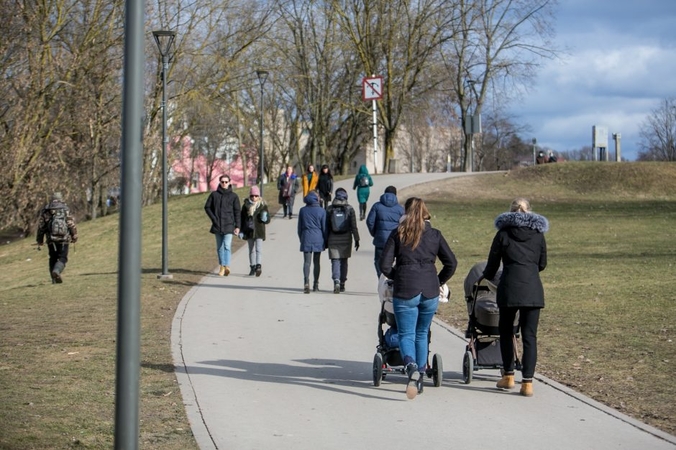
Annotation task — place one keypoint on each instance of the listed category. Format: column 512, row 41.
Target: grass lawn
column 608, row 329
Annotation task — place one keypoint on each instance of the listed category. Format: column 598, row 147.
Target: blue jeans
column 255, row 251
column 223, row 246
column 414, row 318
column 339, row 269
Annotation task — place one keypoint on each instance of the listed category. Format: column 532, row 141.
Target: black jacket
column 224, row 210
column 415, row 271
column 520, row 245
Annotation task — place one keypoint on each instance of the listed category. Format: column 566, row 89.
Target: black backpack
column 339, row 220
column 57, row 227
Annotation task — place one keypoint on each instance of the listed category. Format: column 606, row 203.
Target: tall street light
column 164, row 40
column 262, row 77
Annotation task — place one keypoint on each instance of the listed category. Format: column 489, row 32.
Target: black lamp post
column 262, row 77
column 164, row 40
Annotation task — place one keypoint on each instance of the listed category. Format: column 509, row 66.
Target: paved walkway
column 263, row 366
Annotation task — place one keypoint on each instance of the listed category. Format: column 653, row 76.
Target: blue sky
column 619, row 61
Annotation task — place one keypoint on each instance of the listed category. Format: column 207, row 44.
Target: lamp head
column 262, row 76
column 164, row 40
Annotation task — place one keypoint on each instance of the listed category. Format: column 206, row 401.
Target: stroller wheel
column 467, row 367
column 437, row 370
column 377, row 369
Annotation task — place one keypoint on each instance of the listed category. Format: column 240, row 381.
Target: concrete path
column 263, row 366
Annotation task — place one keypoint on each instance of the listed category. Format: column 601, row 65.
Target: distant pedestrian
column 541, row 158
column 57, row 226
column 325, row 185
column 552, row 158
column 362, row 183
column 520, row 245
column 342, row 228
column 310, row 180
column 255, row 217
column 382, row 220
column 409, row 259
column 288, row 185
column 224, row 210
column 312, row 233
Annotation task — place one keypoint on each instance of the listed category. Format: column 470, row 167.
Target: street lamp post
column 164, row 40
column 262, row 77
column 470, row 127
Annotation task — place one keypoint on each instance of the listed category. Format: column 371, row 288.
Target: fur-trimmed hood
column 522, row 220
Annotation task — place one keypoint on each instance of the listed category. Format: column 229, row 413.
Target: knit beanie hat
column 391, row 190
column 254, row 191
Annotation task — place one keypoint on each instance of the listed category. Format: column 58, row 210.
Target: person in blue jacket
column 382, row 220
column 312, row 233
column 362, row 183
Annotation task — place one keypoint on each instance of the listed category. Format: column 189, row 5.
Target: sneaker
column 336, row 287
column 413, row 377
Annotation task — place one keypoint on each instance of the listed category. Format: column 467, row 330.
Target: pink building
column 189, row 173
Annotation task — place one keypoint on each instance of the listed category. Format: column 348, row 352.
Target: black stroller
column 388, row 358
column 483, row 335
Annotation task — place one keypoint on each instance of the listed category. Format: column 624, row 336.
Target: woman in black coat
column 408, row 259
column 520, row 245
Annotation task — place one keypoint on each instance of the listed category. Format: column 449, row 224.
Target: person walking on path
column 409, row 260
column 310, row 180
column 312, row 234
column 362, row 183
column 58, row 227
column 342, row 227
column 287, row 185
column 325, row 185
column 520, row 245
column 224, row 210
column 255, row 216
column 383, row 218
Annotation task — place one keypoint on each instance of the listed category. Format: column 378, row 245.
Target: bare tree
column 658, row 133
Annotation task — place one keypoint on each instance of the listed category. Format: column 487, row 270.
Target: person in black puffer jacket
column 520, row 245
column 224, row 210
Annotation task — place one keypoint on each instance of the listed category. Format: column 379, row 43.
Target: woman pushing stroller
column 408, row 259
column 520, row 245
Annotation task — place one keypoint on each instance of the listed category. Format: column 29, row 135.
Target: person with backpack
column 58, row 227
column 255, row 216
column 342, row 227
column 325, row 185
column 382, row 220
column 362, row 183
column 312, row 234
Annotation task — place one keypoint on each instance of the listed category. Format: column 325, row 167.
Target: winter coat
column 340, row 244
column 224, row 210
column 309, row 185
column 282, row 182
column 325, row 186
column 312, row 225
column 253, row 226
column 520, row 245
column 384, row 218
column 414, row 271
column 362, row 191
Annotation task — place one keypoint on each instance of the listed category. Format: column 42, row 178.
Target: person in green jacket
column 362, row 183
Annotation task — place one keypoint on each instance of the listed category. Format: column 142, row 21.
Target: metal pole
column 165, row 142
column 534, row 156
column 375, row 138
column 262, row 153
column 129, row 260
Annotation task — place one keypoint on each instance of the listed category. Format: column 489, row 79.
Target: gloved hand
column 356, row 245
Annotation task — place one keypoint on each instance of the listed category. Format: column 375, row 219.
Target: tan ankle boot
column 526, row 389
column 221, row 272
column 507, row 382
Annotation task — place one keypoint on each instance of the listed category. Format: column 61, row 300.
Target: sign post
column 372, row 89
